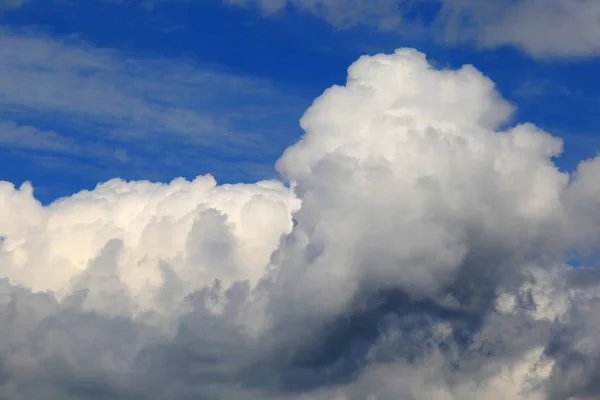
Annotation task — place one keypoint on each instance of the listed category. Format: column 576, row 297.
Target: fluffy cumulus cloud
column 420, row 249
column 542, row 28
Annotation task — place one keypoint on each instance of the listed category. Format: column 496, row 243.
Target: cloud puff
column 420, row 251
column 382, row 135
column 134, row 236
column 542, row 28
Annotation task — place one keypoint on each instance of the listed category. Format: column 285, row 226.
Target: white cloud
column 542, row 28
column 426, row 260
column 194, row 231
column 383, row 134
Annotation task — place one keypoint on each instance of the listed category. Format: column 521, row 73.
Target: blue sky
column 91, row 90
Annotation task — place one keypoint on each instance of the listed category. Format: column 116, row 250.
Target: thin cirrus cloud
column 542, row 28
column 6, row 4
column 67, row 95
column 420, row 251
column 28, row 137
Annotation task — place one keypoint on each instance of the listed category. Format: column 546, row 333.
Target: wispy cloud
column 5, row 4
column 130, row 97
column 65, row 96
column 28, row 137
column 542, row 28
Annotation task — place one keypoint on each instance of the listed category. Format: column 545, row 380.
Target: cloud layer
column 421, row 251
column 542, row 28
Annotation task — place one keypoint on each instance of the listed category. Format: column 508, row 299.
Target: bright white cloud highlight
column 143, row 233
column 420, row 253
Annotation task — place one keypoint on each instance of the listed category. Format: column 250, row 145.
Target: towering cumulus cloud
column 420, row 251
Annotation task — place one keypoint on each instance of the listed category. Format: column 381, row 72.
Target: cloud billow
column 419, row 252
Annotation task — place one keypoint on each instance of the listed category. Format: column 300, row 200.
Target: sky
column 299, row 199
